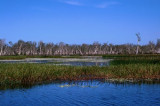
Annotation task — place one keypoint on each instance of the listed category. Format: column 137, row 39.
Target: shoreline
column 102, row 80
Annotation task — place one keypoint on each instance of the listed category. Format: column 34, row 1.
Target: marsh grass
column 13, row 75
column 140, row 56
column 123, row 67
column 133, row 59
column 12, row 57
column 25, row 56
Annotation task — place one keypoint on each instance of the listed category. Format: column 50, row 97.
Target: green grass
column 126, row 67
column 13, row 75
column 24, row 57
column 133, row 59
column 12, row 57
column 140, row 56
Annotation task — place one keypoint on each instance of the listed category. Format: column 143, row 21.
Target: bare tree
column 138, row 41
column 41, row 47
column 2, row 44
column 32, row 48
column 158, row 46
column 20, row 44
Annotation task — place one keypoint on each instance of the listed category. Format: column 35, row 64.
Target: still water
column 86, row 61
column 83, row 93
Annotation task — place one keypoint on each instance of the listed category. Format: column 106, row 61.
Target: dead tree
column 138, row 40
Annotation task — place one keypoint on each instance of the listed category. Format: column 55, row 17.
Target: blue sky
column 80, row 21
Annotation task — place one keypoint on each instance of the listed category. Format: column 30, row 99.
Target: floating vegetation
column 73, row 85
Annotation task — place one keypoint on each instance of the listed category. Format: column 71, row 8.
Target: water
column 86, row 93
column 86, row 61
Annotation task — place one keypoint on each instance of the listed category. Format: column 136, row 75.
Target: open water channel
column 83, row 93
column 84, row 61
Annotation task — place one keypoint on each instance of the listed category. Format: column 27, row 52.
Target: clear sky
column 80, row 21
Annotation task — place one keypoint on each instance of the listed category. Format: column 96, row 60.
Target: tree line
column 40, row 48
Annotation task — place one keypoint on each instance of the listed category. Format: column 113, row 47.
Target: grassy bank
column 133, row 59
column 24, row 57
column 13, row 75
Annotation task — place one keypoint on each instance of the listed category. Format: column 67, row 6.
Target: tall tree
column 2, row 44
column 158, row 46
column 138, row 41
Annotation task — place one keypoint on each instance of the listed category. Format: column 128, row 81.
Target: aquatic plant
column 29, row 74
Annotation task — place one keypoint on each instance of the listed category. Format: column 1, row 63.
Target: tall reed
column 29, row 74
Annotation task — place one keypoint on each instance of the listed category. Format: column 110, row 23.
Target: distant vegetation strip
column 24, row 57
column 13, row 75
column 132, row 56
column 49, row 49
column 133, row 59
column 140, row 56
